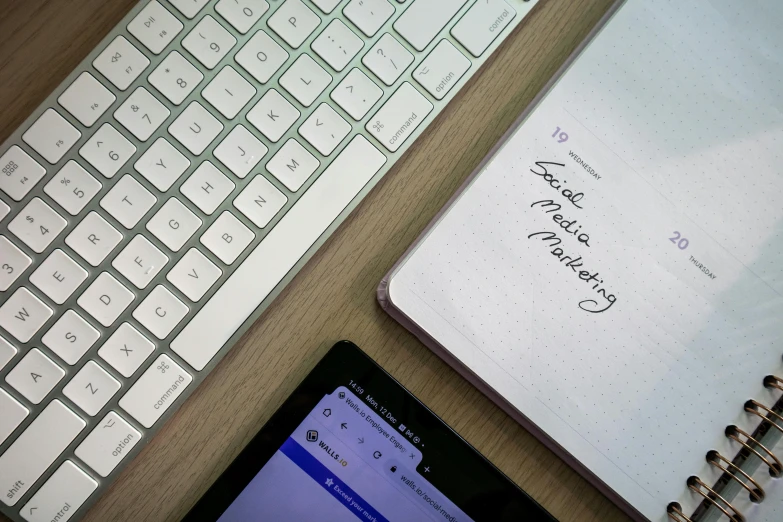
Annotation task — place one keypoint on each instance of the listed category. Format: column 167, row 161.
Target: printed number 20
column 682, row 244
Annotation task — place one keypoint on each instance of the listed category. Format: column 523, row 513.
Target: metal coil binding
column 775, row 468
column 674, row 511
column 716, row 459
column 771, row 381
column 696, row 484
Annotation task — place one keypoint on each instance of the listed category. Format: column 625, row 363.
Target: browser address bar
column 425, row 495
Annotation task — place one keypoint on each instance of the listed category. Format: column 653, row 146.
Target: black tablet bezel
column 469, row 480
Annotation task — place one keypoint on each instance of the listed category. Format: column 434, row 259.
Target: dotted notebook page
column 615, row 271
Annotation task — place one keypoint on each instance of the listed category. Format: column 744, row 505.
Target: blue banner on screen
column 321, row 474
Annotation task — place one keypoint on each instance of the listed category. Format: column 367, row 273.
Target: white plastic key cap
column 261, row 56
column 228, row 92
column 37, row 225
column 4, row 209
column 27, row 459
column 242, row 14
column 93, row 238
column 142, row 114
column 70, row 337
column 107, row 444
column 368, row 15
column 280, row 250
column 356, row 94
column 483, row 22
column 19, row 173
column 194, row 275
column 61, row 495
column 13, row 262
column 207, row 187
column 424, row 19
column 105, row 299
column 174, row 224
column 399, row 117
column 273, row 115
column 162, row 164
column 209, row 42
column 58, row 276
column 126, row 350
column 155, row 27
column 86, row 99
column 387, row 59
column 189, row 8
column 160, row 312
column 51, row 136
column 305, row 79
column 155, row 391
column 107, row 150
column 324, row 129
column 227, row 238
column 337, row 45
column 294, row 22
column 260, row 201
column 72, row 188
column 128, row 201
column 441, row 70
column 35, row 376
column 121, row 63
column 195, row 128
column 292, row 165
column 240, row 151
column 175, row 77
column 7, row 352
column 140, row 262
column 91, row 388
column 13, row 415
column 327, row 6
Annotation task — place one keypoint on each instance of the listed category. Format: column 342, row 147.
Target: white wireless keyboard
column 168, row 190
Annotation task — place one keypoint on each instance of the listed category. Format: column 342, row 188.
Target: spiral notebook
column 612, row 273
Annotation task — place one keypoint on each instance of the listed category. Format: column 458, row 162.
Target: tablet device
column 351, row 444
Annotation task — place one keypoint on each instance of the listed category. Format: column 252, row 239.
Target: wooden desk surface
column 333, row 297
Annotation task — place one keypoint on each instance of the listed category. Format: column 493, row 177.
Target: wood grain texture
column 333, row 297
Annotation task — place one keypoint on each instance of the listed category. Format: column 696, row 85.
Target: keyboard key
column 337, row 45
column 35, row 376
column 13, row 262
column 483, row 22
column 126, row 350
column 7, row 352
column 107, row 150
column 162, row 164
column 207, row 187
column 58, row 276
column 399, row 117
column 51, row 136
column 128, row 201
column 327, row 6
column 142, row 114
column 194, row 275
column 93, row 238
column 260, row 201
column 292, row 165
column 175, row 78
column 388, row 59
column 37, row 225
column 305, row 79
column 242, row 14
column 273, row 115
column 160, row 312
column 294, row 22
column 121, row 63
column 227, row 238
column 4, row 209
column 368, row 15
column 442, row 69
column 261, row 56
column 140, row 262
column 155, row 391
column 23, row 314
column 107, row 444
column 174, row 224
column 195, row 128
column 424, row 19
column 324, row 129
column 60, row 496
column 209, row 42
column 240, row 151
column 91, row 388
column 356, row 94
column 19, row 173
column 155, row 27
column 105, row 299
column 282, row 248
column 86, row 99
column 70, row 337
column 13, row 415
column 72, row 188
column 27, row 459
column 189, row 8
column 228, row 92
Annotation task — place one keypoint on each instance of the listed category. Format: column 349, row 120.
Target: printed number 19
column 682, row 244
column 562, row 138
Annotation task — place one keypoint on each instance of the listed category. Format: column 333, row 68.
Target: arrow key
column 61, row 496
column 194, row 275
column 325, row 129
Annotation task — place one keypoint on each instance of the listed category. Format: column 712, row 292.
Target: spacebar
column 279, row 251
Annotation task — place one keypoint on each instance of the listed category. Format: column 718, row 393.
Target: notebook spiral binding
column 769, row 418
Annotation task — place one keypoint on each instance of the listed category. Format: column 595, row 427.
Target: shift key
column 399, row 117
column 482, row 24
column 155, row 391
